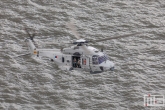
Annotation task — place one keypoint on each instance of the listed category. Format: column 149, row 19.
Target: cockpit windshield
column 96, row 59
column 103, row 58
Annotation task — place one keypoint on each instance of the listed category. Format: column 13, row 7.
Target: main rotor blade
column 73, row 29
column 21, row 55
column 116, row 37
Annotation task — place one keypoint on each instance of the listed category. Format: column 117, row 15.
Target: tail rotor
column 31, row 36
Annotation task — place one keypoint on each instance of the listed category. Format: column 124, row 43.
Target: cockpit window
column 99, row 59
column 95, row 59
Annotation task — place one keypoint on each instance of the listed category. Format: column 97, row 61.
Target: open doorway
column 76, row 62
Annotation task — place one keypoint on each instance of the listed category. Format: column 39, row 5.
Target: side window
column 95, row 59
column 63, row 59
column 84, row 61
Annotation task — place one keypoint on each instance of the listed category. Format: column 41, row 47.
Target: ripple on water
column 35, row 83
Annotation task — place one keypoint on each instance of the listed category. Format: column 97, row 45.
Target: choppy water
column 27, row 83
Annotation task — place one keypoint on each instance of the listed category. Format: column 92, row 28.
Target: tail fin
column 31, row 46
column 31, row 43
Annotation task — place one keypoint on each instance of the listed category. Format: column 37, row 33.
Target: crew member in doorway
column 74, row 62
column 78, row 64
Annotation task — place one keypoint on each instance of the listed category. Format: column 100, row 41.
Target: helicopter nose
column 112, row 68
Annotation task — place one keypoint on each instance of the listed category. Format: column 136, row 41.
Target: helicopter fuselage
column 77, row 57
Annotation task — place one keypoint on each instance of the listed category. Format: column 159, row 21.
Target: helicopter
column 79, row 56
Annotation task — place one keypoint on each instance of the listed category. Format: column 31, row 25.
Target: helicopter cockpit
column 96, row 59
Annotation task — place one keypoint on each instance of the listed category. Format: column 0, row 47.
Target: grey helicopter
column 79, row 56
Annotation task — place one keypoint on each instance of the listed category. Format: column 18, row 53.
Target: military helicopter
column 79, row 56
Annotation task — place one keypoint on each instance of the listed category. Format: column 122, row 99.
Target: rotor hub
column 80, row 41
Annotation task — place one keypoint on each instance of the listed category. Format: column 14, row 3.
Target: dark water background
column 27, row 83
